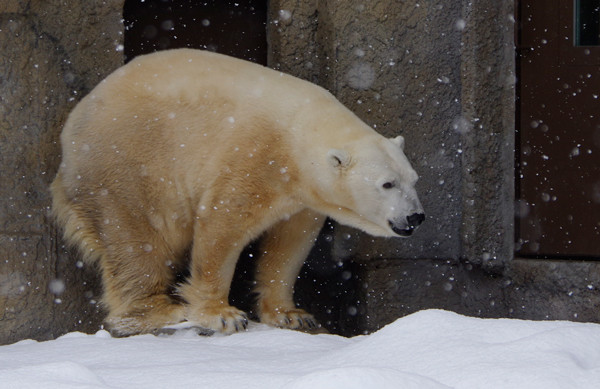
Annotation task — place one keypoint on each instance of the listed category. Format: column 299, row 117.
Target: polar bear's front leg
column 284, row 250
column 213, row 261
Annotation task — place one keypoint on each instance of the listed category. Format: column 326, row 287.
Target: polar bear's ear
column 398, row 141
column 338, row 158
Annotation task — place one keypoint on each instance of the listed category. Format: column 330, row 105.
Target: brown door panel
column 559, row 135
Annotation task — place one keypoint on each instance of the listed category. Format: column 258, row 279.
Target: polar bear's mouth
column 405, row 232
column 413, row 221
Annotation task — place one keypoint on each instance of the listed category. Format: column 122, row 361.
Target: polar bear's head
column 373, row 187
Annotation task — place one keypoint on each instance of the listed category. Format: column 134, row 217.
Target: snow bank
column 429, row 349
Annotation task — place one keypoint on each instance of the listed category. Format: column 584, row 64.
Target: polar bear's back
column 207, row 95
column 192, row 76
column 161, row 104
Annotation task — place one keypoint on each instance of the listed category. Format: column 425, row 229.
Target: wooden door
column 558, row 166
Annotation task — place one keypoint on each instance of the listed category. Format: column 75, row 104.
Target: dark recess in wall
column 236, row 28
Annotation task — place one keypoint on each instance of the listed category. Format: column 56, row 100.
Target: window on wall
column 236, row 28
column 587, row 22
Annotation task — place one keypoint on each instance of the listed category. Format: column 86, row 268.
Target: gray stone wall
column 524, row 289
column 51, row 53
column 487, row 127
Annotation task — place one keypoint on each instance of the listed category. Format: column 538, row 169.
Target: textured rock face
column 527, row 289
column 51, row 53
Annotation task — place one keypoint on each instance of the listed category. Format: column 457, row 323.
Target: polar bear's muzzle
column 412, row 222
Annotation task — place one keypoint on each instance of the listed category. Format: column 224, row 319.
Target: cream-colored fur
column 189, row 152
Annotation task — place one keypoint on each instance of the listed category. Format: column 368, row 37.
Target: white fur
column 193, row 152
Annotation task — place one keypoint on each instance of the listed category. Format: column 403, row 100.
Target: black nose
column 415, row 219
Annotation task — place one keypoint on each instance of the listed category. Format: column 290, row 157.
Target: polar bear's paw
column 294, row 319
column 224, row 319
column 143, row 316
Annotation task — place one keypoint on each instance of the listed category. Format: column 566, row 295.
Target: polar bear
column 181, row 158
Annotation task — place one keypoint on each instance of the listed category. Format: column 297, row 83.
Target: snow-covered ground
column 429, row 349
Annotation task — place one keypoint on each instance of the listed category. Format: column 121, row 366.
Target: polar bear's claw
column 226, row 320
column 293, row 319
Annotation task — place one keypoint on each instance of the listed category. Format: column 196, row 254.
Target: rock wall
column 486, row 124
column 525, row 289
column 51, row 54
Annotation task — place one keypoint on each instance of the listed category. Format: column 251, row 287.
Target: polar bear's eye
column 388, row 185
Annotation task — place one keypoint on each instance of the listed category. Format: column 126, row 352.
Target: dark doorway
column 236, row 28
column 558, row 175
